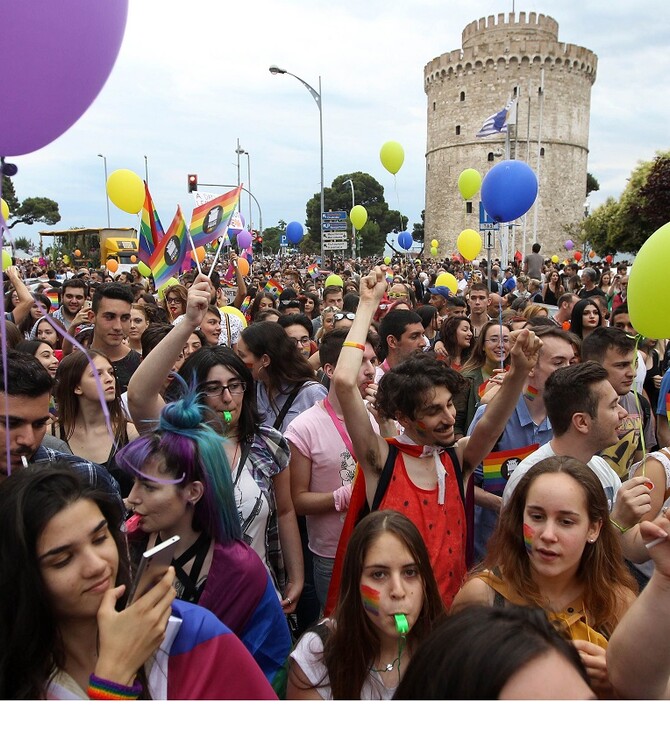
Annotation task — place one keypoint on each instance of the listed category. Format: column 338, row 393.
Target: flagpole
column 218, row 251
column 537, row 166
column 195, row 255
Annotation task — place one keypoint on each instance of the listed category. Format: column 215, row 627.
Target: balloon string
column 98, row 384
column 3, row 335
column 643, row 446
column 502, row 344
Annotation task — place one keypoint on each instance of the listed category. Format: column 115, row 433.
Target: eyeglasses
column 170, row 300
column 344, row 315
column 304, row 341
column 496, row 340
column 396, row 295
column 289, row 303
column 214, row 389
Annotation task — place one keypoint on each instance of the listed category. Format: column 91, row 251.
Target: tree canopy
column 643, row 207
column 29, row 211
column 369, row 193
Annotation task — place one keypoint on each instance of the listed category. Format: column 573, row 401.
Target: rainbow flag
column 313, row 270
column 245, row 304
column 389, row 277
column 229, row 276
column 210, row 220
column 499, row 465
column 151, row 230
column 167, row 259
column 273, row 287
column 52, row 295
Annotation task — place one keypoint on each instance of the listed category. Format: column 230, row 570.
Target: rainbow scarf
column 210, row 220
column 151, row 230
column 370, row 600
column 168, row 257
column 499, row 465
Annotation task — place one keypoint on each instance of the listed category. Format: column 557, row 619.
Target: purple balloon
column 569, row 245
column 244, row 239
column 56, row 58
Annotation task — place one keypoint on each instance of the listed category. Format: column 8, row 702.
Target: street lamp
column 353, row 228
column 316, row 95
column 146, row 170
column 104, row 161
column 239, row 151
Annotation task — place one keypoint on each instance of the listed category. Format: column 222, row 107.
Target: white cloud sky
column 192, row 77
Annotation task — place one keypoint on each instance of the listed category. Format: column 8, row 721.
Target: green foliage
column 418, row 234
column 592, row 184
column 643, row 207
column 31, row 210
column 23, row 244
column 369, row 193
column 271, row 237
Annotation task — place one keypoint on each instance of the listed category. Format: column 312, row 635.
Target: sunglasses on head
column 344, row 315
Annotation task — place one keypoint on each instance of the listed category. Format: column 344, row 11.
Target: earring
column 592, row 539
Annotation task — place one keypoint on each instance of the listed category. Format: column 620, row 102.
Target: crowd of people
column 382, row 487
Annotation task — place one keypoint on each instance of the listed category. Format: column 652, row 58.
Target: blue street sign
column 486, row 223
column 283, row 240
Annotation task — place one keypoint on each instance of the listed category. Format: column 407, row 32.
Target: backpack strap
column 289, row 402
column 385, row 477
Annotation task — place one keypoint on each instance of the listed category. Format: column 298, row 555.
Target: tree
column 31, row 210
column 370, row 194
column 23, row 244
column 592, row 184
column 418, row 233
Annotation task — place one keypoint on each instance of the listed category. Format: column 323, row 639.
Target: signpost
column 486, row 223
column 334, row 230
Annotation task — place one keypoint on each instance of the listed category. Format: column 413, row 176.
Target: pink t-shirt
column 314, row 435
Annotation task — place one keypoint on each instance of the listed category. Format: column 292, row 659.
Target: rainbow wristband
column 357, row 345
column 104, row 689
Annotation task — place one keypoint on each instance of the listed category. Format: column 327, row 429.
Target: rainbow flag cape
column 167, row 259
column 151, row 230
column 210, row 220
column 499, row 465
column 313, row 270
column 273, row 287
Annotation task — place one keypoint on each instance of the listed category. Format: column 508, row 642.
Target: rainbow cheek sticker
column 528, row 535
column 370, row 600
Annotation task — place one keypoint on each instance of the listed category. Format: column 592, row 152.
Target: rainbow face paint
column 370, row 600
column 528, row 535
column 530, row 393
column 421, row 428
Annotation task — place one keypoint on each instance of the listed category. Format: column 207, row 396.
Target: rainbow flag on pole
column 210, row 220
column 313, row 270
column 499, row 465
column 273, row 287
column 151, row 230
column 167, row 259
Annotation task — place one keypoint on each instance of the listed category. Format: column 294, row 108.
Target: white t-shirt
column 308, row 655
column 608, row 477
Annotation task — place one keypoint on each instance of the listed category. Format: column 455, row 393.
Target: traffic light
column 192, row 183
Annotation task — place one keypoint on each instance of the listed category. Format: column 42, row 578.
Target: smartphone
column 152, row 568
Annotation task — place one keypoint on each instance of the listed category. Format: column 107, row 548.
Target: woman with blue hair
column 183, row 487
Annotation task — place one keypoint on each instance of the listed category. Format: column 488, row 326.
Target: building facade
column 504, row 58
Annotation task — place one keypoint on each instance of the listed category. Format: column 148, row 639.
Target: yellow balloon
column 387, row 260
column 392, row 156
column 648, row 292
column 469, row 183
column 434, row 243
column 66, row 259
column 5, row 209
column 448, row 280
column 554, row 259
column 469, row 244
column 433, row 251
column 126, row 190
column 143, row 269
column 6, row 260
column 235, row 313
column 358, row 217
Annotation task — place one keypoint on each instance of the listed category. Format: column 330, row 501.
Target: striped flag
column 497, row 123
column 211, row 219
column 167, row 259
column 313, row 270
column 499, row 465
column 151, row 230
column 273, row 287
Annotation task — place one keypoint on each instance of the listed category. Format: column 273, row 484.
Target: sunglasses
column 344, row 315
column 289, row 303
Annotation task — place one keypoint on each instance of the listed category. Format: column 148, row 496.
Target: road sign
column 486, row 223
column 335, row 236
column 283, row 240
column 335, row 226
column 334, row 245
column 334, row 215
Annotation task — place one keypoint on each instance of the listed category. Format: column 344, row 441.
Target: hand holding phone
column 152, row 568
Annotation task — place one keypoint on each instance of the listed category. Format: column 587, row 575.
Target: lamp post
column 146, row 170
column 353, row 228
column 104, row 161
column 316, row 95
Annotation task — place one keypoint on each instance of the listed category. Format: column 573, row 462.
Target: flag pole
column 218, row 251
column 195, row 255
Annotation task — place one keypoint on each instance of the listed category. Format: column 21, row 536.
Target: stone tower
column 502, row 59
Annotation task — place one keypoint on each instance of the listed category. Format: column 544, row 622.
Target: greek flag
column 497, row 123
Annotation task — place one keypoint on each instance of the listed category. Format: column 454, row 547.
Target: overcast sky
column 192, row 77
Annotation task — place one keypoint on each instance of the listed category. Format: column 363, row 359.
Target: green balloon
column 648, row 290
column 387, row 260
column 143, row 269
column 6, row 260
column 469, row 183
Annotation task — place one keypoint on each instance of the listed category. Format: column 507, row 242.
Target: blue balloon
column 405, row 240
column 509, row 190
column 294, row 232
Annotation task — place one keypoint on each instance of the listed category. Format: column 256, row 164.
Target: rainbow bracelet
column 104, row 689
column 357, row 345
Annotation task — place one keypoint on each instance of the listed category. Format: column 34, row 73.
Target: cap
column 442, row 291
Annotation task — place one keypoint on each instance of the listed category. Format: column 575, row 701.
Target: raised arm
column 525, row 348
column 144, row 398
column 20, row 311
column 371, row 449
column 239, row 280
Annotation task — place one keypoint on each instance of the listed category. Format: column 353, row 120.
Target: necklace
column 392, row 665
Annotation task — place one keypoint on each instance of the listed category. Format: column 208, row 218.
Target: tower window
column 468, row 206
column 462, row 96
column 490, row 157
column 458, row 129
column 541, row 151
column 434, row 105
